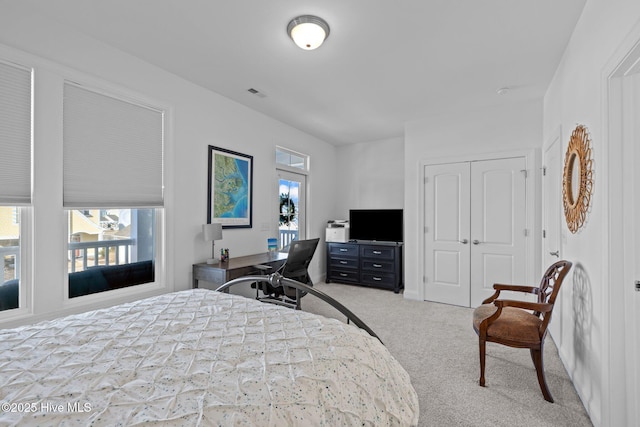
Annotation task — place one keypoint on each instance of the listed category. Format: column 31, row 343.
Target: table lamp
column 212, row 232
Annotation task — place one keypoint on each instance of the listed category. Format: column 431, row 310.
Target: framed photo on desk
column 230, row 188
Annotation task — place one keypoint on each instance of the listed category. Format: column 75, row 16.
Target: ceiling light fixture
column 308, row 31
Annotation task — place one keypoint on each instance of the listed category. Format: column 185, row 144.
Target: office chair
column 295, row 268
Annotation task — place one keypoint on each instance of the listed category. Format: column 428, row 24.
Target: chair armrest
column 518, row 288
column 541, row 307
column 498, row 287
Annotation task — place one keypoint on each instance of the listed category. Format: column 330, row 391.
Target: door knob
column 464, row 241
column 476, row 242
column 556, row 253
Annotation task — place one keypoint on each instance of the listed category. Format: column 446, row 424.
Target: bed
column 200, row 357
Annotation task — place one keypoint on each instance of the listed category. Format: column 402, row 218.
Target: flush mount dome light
column 308, row 31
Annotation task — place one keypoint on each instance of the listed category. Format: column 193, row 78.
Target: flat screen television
column 382, row 225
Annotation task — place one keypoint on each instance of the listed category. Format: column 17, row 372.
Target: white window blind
column 113, row 151
column 15, row 135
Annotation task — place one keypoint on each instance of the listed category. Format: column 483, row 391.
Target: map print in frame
column 230, row 199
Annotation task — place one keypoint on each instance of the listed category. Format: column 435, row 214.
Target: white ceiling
column 385, row 62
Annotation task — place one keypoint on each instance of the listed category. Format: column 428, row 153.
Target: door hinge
column 524, row 171
column 544, row 171
column 544, row 234
column 526, row 232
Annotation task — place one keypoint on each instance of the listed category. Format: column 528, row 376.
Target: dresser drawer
column 383, row 280
column 339, row 250
column 376, row 266
column 377, row 252
column 338, row 263
column 349, row 276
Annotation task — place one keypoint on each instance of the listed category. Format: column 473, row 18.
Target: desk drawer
column 209, row 274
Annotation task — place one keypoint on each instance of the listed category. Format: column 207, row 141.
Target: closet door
column 498, row 225
column 475, row 220
column 446, row 237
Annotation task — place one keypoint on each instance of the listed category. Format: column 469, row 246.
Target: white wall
column 589, row 347
column 473, row 133
column 197, row 118
column 371, row 176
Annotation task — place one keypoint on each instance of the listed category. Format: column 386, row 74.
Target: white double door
column 475, row 229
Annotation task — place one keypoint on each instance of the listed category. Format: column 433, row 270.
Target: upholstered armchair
column 520, row 324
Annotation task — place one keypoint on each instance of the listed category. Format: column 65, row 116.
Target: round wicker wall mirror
column 577, row 180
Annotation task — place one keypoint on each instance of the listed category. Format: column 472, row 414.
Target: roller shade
column 15, row 135
column 113, row 151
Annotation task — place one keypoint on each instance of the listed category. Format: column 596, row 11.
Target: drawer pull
column 377, row 279
column 344, row 262
column 343, row 275
column 343, row 250
column 377, row 253
column 377, row 265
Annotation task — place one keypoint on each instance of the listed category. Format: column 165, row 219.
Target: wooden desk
column 220, row 273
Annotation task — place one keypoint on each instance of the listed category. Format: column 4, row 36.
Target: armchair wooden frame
column 520, row 324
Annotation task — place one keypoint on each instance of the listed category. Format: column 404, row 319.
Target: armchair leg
column 536, row 355
column 483, row 346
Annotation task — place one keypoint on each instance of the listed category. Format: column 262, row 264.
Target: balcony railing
column 101, row 252
column 287, row 236
column 10, row 256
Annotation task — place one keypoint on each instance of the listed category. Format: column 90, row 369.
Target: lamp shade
column 308, row 31
column 212, row 231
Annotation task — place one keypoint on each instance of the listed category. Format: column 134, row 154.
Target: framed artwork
column 230, row 199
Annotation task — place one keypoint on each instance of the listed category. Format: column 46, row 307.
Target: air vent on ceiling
column 256, row 92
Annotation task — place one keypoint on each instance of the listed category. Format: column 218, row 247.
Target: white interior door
column 498, row 225
column 475, row 221
column 446, row 212
column 552, row 203
column 552, row 218
column 632, row 261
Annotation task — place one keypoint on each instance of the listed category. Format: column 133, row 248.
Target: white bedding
column 200, row 357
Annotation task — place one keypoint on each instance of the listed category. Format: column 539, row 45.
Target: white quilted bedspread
column 200, row 357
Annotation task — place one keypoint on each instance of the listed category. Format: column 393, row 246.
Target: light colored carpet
column 437, row 346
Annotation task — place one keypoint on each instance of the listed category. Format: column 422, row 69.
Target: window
column 15, row 175
column 113, row 189
column 110, row 249
column 10, row 256
column 292, row 185
column 285, row 157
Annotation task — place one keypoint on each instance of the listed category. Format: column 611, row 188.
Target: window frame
column 160, row 260
column 159, row 267
column 25, row 288
column 287, row 166
column 25, row 210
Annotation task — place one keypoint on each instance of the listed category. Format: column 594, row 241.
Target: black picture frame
column 230, row 188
